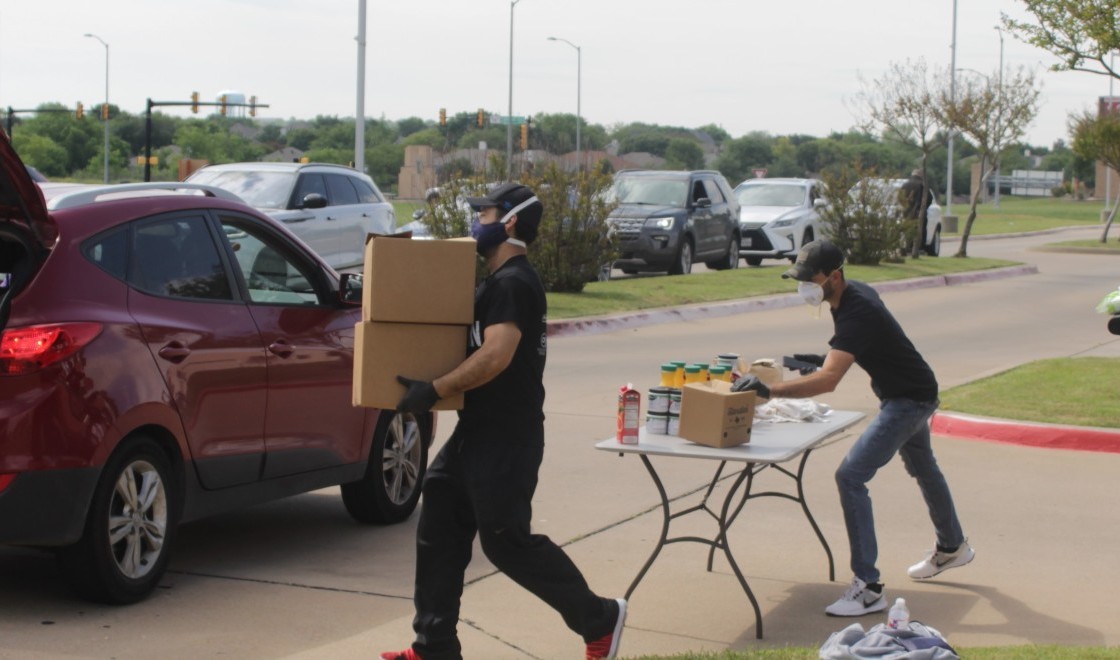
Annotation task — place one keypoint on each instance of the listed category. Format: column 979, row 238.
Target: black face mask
column 488, row 237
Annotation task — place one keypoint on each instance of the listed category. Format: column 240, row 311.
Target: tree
column 1081, row 33
column 900, row 103
column 992, row 112
column 744, row 154
column 684, row 154
column 1098, row 138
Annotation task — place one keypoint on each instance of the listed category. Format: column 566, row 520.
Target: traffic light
column 252, row 106
column 105, row 111
column 481, row 118
column 443, row 116
column 81, row 111
column 194, row 102
column 524, row 136
column 223, row 109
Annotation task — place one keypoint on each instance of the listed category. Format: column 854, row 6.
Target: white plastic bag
column 1110, row 304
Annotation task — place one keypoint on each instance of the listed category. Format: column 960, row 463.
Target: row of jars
column 679, row 373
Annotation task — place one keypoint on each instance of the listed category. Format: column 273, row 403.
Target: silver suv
column 331, row 207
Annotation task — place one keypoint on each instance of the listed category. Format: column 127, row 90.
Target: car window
column 698, row 191
column 264, row 190
column 658, row 192
column 763, row 194
column 177, row 257
column 272, row 275
column 342, row 191
column 367, row 194
column 307, row 184
column 714, row 192
column 109, row 252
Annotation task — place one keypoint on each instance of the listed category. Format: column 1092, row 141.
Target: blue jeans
column 902, row 427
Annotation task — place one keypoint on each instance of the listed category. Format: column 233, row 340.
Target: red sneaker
column 407, row 654
column 607, row 645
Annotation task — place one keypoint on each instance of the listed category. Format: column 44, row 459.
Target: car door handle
column 281, row 348
column 290, row 221
column 174, row 352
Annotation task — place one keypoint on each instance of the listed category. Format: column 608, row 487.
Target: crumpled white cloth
column 792, row 410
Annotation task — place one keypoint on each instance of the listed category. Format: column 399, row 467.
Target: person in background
column 482, row 481
column 868, row 335
column 913, row 205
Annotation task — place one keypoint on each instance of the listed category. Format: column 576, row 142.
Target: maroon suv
column 168, row 355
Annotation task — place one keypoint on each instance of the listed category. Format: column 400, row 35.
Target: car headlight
column 660, row 223
column 781, row 223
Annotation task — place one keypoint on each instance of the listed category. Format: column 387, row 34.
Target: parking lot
column 297, row 578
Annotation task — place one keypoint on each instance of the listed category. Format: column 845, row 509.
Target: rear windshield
column 263, row 190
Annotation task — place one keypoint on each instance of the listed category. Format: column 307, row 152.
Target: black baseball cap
column 815, row 257
column 504, row 196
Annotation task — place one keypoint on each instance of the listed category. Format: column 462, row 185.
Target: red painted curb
column 1050, row 436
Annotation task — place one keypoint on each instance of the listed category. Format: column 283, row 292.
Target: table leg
column 809, row 515
column 664, row 525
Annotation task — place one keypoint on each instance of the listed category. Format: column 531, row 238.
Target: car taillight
column 6, row 480
column 26, row 350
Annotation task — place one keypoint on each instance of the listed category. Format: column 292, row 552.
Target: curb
column 1030, row 434
column 607, row 323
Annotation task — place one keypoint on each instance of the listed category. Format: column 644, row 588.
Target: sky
column 743, row 65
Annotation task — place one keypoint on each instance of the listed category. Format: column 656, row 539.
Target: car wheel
column 398, row 458
column 730, row 260
column 130, row 527
column 934, row 247
column 683, row 263
column 754, row 261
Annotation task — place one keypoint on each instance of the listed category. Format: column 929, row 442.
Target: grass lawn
column 1079, row 391
column 637, row 293
column 1023, row 214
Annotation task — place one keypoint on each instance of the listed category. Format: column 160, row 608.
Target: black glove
column 419, row 398
column 750, row 383
column 811, row 358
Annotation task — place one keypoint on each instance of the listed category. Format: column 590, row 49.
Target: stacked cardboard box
column 417, row 307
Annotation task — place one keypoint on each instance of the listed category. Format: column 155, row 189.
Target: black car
column 666, row 220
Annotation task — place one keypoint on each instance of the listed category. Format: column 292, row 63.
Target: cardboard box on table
column 713, row 415
column 417, row 307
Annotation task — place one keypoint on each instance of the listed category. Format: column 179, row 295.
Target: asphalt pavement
column 297, row 578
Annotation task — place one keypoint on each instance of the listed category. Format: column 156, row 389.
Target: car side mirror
column 820, row 203
column 313, row 201
column 350, row 289
column 703, row 203
column 417, row 214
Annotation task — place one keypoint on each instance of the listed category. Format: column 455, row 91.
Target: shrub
column 863, row 219
column 572, row 245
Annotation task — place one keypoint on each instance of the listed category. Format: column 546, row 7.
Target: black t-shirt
column 514, row 399
column 867, row 330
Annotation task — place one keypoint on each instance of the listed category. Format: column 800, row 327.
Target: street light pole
column 999, row 116
column 509, row 115
column 360, row 110
column 952, row 99
column 105, row 117
column 579, row 76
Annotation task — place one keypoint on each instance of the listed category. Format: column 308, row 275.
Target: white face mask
column 811, row 293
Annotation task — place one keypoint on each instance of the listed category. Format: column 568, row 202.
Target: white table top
column 771, row 442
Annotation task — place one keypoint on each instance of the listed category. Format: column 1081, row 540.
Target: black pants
column 483, row 483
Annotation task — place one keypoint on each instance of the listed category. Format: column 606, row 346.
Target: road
column 298, row 578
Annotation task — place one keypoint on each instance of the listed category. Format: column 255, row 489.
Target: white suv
column 778, row 216
column 331, row 207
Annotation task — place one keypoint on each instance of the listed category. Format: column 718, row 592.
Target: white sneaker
column 857, row 601
column 937, row 561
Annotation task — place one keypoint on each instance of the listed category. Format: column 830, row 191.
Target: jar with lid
column 668, row 374
column 692, row 374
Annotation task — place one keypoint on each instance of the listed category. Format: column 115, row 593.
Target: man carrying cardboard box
column 482, row 481
column 868, row 335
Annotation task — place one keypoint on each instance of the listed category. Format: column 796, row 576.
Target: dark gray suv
column 665, row 220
